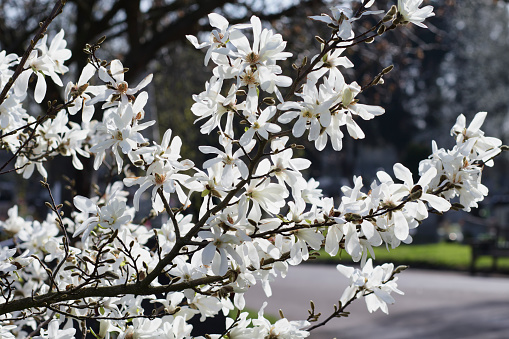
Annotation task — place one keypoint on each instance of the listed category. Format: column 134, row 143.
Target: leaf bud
column 320, row 39
column 415, row 193
column 393, row 10
column 269, row 101
column 352, row 217
column 387, row 69
column 139, row 163
column 400, row 269
column 101, row 40
column 369, row 40
column 387, row 18
column 457, row 206
column 111, row 274
column 381, row 30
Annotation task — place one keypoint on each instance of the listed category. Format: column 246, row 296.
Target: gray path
column 435, row 305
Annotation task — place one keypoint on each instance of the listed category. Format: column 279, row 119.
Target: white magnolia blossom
column 243, row 217
column 374, row 283
column 411, row 13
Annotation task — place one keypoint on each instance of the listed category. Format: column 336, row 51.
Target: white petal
column 40, row 88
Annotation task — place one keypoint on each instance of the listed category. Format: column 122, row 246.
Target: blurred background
column 458, row 65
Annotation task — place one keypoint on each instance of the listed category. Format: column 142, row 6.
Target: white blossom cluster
column 258, row 213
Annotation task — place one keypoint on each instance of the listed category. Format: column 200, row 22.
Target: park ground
column 437, row 304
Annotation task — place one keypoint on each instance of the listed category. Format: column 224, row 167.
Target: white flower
column 218, row 38
column 260, row 126
column 375, row 284
column 282, row 328
column 343, row 18
column 6, row 61
column 40, row 66
column 269, row 196
column 313, row 111
column 217, row 250
column 230, row 162
column 211, row 103
column 78, row 92
column 409, row 11
column 5, row 331
column 54, row 332
column 472, row 141
column 56, row 52
column 117, row 88
column 162, row 176
column 112, row 215
column 267, row 47
column 121, row 132
column 5, row 263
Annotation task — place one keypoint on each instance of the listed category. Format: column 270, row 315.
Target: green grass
column 438, row 256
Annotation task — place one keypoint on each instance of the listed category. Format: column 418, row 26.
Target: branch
column 48, row 299
column 57, row 9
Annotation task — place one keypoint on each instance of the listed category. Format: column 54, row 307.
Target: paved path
column 435, row 305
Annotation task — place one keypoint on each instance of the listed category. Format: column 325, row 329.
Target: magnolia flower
column 5, row 331
column 217, row 250
column 117, row 88
column 267, row 47
column 161, row 176
column 40, row 66
column 78, row 93
column 374, row 284
column 211, row 104
column 269, row 196
column 6, row 61
column 53, row 332
column 280, row 329
column 471, row 139
column 218, row 38
column 113, row 215
column 343, row 18
column 260, row 126
column 56, row 51
column 121, row 132
column 5, row 263
column 230, row 161
column 409, row 11
column 329, row 63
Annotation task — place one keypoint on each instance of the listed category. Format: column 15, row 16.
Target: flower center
column 160, row 178
column 122, row 87
column 248, row 78
column 252, row 58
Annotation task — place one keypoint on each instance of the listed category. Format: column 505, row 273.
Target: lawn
column 450, row 256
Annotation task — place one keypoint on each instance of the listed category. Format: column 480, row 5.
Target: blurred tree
column 137, row 30
column 144, row 34
column 417, row 95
